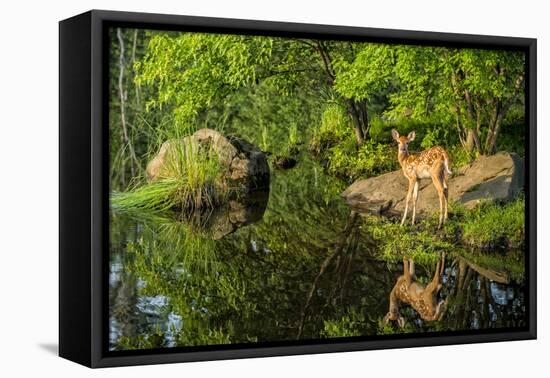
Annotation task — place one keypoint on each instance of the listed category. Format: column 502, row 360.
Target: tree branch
column 327, row 63
column 283, row 72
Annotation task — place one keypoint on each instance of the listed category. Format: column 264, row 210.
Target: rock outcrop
column 495, row 177
column 245, row 165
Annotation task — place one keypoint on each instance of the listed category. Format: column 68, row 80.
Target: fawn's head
column 403, row 141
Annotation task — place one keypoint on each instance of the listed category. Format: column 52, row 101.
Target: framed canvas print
column 233, row 188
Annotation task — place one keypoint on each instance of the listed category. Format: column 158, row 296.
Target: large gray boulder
column 245, row 165
column 495, row 177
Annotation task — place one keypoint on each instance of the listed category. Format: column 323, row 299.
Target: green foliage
column 293, row 137
column 333, row 143
column 459, row 157
column 393, row 329
column 149, row 341
column 492, row 225
column 191, row 71
column 351, row 324
column 512, row 261
column 154, row 196
column 334, row 127
column 308, row 268
column 371, row 159
column 465, row 89
column 367, row 74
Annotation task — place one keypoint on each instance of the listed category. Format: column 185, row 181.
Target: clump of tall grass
column 191, row 178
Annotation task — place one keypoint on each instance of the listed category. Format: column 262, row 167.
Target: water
column 291, row 264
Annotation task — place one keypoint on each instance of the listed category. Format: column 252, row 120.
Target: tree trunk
column 364, row 117
column 473, row 115
column 358, row 120
column 122, row 99
column 136, row 87
column 491, row 142
column 501, row 108
column 357, row 109
column 472, row 141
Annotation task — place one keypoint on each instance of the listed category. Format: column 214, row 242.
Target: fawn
column 422, row 298
column 431, row 163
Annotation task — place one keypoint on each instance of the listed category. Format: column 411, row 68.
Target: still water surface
column 293, row 263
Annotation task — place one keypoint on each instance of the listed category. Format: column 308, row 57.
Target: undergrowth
column 490, row 226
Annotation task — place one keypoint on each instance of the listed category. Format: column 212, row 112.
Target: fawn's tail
column 446, row 163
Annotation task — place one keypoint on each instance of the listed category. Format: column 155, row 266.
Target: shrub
column 371, row 159
column 335, row 126
column 492, row 225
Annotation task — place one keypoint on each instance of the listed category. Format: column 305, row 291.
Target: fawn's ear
column 401, row 322
column 395, row 135
column 387, row 319
column 411, row 136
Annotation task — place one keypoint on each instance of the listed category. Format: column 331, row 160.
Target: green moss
column 422, row 242
column 488, row 227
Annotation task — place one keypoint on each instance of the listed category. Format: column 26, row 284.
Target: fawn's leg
column 435, row 279
column 415, row 197
column 442, row 271
column 446, row 193
column 409, row 193
column 393, row 311
column 436, row 178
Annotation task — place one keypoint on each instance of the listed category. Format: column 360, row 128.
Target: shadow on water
column 293, row 263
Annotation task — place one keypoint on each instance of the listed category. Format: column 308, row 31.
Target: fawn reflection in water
column 423, row 298
column 459, row 295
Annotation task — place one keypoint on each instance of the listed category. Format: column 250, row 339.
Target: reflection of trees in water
column 482, row 298
column 305, row 270
column 122, row 292
column 343, row 256
column 130, row 313
column 123, row 297
column 349, row 283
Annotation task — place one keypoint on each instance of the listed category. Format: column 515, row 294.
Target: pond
column 291, row 264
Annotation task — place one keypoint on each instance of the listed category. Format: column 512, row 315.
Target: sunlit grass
column 493, row 225
column 191, row 178
column 489, row 226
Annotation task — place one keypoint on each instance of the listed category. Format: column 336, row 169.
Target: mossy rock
column 245, row 165
column 497, row 177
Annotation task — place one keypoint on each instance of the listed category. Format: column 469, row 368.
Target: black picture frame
column 83, row 183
